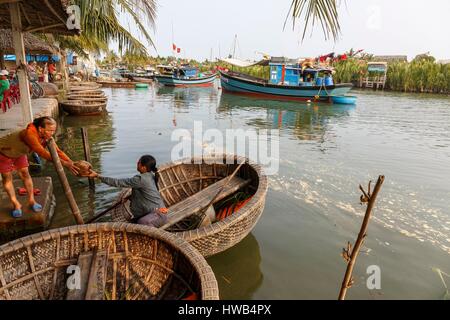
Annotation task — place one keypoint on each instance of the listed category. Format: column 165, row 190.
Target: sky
column 380, row 27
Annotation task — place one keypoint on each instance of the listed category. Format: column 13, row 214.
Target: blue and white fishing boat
column 184, row 77
column 288, row 80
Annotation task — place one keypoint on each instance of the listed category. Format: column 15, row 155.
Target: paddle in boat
column 289, row 79
column 184, row 76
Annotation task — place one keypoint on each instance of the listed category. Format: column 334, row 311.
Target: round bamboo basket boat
column 88, row 98
column 84, row 84
column 94, row 93
column 182, row 179
column 83, row 107
column 81, row 88
column 139, row 264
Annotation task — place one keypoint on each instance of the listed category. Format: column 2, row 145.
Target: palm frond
column 313, row 11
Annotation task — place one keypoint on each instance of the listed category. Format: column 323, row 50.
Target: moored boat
column 87, row 98
column 190, row 184
column 183, row 77
column 116, row 261
column 288, row 80
column 117, row 84
column 83, row 107
column 344, row 99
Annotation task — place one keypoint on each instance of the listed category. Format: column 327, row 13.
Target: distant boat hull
column 178, row 82
column 243, row 84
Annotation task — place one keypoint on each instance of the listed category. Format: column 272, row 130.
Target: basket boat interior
column 136, row 267
column 179, row 182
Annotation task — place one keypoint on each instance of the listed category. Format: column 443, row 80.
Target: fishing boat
column 83, row 107
column 188, row 186
column 116, row 261
column 288, row 80
column 183, row 76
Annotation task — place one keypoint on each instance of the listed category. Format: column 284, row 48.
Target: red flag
column 174, row 47
column 178, row 50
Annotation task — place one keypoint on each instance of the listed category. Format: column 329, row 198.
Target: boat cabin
column 291, row 73
column 165, row 69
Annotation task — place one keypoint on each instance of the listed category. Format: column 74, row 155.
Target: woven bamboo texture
column 83, row 107
column 88, row 98
column 96, row 93
column 83, row 88
column 142, row 263
column 180, row 180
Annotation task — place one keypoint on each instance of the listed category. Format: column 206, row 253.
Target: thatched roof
column 33, row 44
column 48, row 16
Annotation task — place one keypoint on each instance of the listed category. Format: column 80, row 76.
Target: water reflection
column 185, row 97
column 238, row 270
column 101, row 140
column 304, row 121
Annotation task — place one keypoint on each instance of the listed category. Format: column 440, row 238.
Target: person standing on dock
column 146, row 203
column 14, row 149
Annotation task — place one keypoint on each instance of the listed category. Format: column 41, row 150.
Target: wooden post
column 21, row 63
column 2, row 59
column 349, row 254
column 64, row 70
column 62, row 177
column 87, row 153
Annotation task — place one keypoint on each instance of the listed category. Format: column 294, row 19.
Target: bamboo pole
column 62, row 177
column 349, row 254
column 87, row 153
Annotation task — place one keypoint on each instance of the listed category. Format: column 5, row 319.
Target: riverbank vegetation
column 420, row 75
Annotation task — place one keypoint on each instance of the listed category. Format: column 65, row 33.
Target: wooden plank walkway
column 11, row 228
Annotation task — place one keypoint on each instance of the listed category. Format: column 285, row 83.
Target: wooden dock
column 12, row 228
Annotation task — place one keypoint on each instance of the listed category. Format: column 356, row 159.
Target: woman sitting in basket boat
column 146, row 205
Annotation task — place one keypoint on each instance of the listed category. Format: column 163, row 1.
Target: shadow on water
column 238, row 270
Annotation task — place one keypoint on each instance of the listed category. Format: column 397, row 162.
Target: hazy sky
column 383, row 27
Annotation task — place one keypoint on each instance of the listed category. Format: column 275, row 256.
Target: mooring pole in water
column 62, row 177
column 350, row 255
column 87, row 153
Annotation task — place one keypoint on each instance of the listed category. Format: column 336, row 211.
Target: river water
column 312, row 206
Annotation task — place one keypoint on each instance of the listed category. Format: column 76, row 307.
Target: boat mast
column 234, row 45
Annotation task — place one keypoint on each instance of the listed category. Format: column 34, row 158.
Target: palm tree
column 100, row 25
column 100, row 21
column 323, row 11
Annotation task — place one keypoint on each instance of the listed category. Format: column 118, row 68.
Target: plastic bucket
column 329, row 81
column 319, row 81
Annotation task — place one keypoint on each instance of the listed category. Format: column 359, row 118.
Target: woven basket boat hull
column 181, row 179
column 141, row 263
column 88, row 98
column 84, row 84
column 87, row 93
column 83, row 107
column 82, row 88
